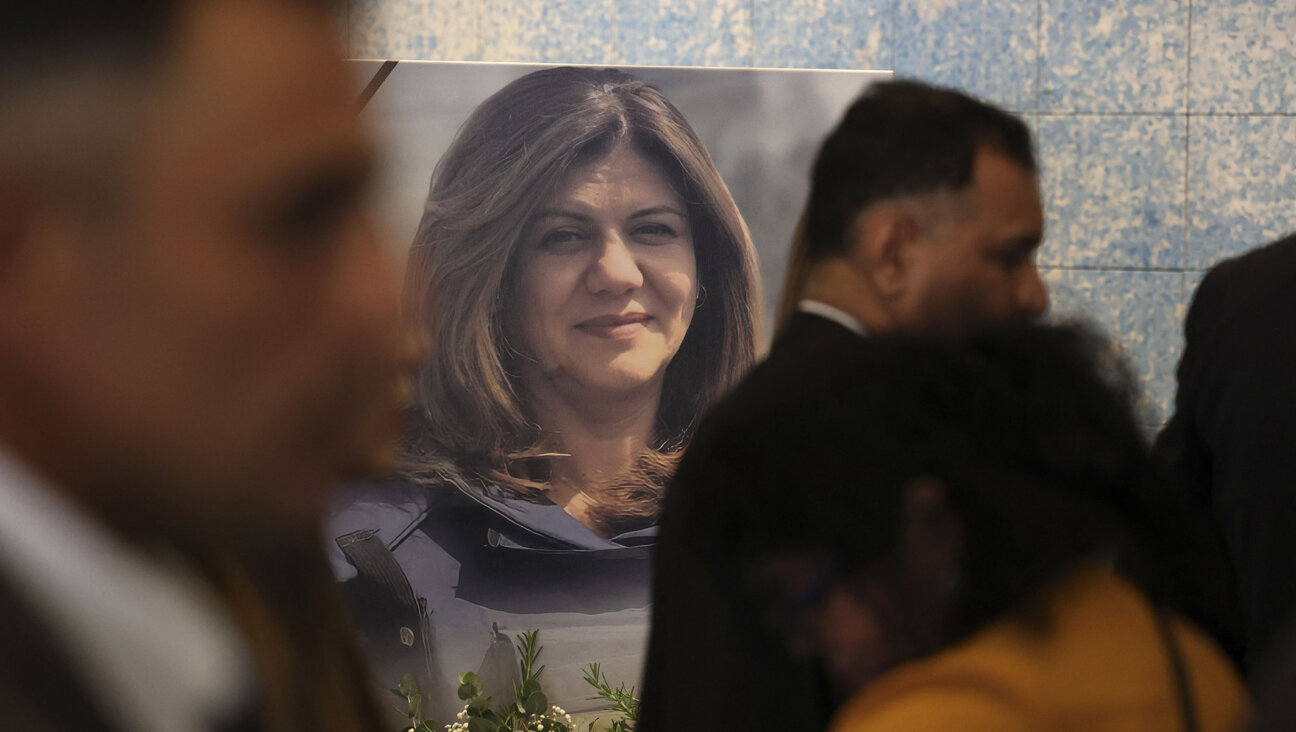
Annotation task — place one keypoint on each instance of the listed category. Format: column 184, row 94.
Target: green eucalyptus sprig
column 529, row 711
column 408, row 690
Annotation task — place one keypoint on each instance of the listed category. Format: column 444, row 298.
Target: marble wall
column 1166, row 128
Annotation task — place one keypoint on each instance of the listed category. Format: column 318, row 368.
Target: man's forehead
column 252, row 84
column 250, row 61
column 998, row 168
column 1002, row 192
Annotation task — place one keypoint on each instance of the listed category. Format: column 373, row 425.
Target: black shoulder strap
column 373, row 560
column 1179, row 668
column 389, row 613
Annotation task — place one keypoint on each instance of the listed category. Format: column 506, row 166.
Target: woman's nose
column 615, row 270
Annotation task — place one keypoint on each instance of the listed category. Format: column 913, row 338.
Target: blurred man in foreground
column 924, row 217
column 197, row 337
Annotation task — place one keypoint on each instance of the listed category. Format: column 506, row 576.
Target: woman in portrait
column 585, row 287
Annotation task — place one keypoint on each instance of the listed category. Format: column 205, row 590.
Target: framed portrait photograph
column 592, row 255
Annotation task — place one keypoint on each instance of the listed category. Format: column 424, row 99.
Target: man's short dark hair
column 35, row 34
column 902, row 138
column 72, row 76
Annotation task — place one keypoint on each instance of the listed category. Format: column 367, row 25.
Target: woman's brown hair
column 508, row 158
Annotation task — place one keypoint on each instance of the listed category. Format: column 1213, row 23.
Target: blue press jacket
column 481, row 568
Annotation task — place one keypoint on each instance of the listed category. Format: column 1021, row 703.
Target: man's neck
column 836, row 315
column 837, row 284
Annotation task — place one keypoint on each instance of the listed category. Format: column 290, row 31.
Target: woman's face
column 607, row 280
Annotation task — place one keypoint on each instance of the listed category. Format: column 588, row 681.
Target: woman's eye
column 655, row 232
column 562, row 240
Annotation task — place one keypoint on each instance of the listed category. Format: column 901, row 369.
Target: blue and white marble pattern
column 1113, row 188
column 568, row 31
column 441, row 30
column 989, row 49
column 1241, row 184
column 1112, row 57
column 825, row 34
column 1143, row 168
column 686, row 33
column 1243, row 56
column 1140, row 311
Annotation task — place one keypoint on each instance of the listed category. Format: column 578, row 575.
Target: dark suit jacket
column 38, row 689
column 1231, row 445
column 710, row 665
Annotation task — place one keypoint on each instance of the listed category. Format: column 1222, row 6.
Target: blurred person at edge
column 198, row 336
column 588, row 288
column 923, row 217
column 1228, row 444
column 970, row 536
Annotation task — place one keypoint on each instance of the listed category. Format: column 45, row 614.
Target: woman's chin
column 621, row 383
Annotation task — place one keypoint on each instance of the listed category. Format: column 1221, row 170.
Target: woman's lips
column 615, row 326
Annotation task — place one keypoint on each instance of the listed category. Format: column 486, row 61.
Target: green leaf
column 470, row 685
column 477, row 724
column 427, row 726
column 408, row 686
column 479, row 707
column 530, row 687
column 536, row 703
column 468, row 677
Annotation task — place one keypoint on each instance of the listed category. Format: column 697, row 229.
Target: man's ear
column 883, row 248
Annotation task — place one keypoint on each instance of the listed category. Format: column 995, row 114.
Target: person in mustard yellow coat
column 969, row 535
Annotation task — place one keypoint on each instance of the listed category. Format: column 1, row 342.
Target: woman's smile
column 616, row 327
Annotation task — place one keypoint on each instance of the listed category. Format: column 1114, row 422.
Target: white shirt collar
column 837, row 315
column 145, row 636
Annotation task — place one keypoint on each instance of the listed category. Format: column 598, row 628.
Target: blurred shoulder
column 804, row 349
column 1253, row 279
